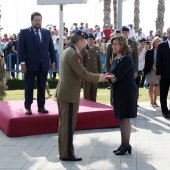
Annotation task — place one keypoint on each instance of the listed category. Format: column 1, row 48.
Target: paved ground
column 150, row 140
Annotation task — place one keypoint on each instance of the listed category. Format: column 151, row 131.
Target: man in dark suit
column 163, row 73
column 36, row 55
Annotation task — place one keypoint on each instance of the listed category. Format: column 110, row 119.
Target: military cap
column 142, row 40
column 80, row 33
column 124, row 28
column 91, row 36
column 118, row 31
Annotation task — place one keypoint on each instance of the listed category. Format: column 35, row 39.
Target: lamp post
column 119, row 16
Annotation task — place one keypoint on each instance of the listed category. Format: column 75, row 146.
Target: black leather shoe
column 122, row 151
column 166, row 115
column 28, row 112
column 42, row 110
column 71, row 159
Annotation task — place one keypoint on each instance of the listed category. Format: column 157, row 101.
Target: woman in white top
column 101, row 46
column 141, row 60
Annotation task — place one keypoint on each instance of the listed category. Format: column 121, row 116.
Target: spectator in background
column 147, row 45
column 55, row 30
column 158, row 33
column 2, row 48
column 138, row 36
column 118, row 32
column 141, row 62
column 132, row 32
column 101, row 46
column 5, row 39
column 81, row 26
column 65, row 28
column 150, row 37
column 53, row 36
column 150, row 71
column 98, row 33
column 107, row 32
column 74, row 27
column 86, row 29
column 91, row 31
column 2, row 74
column 14, row 57
column 142, row 33
column 164, row 36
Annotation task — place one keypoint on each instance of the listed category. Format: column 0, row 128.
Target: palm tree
column 106, row 11
column 136, row 15
column 160, row 15
column 115, row 13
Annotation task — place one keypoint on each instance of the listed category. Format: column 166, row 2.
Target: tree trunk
column 160, row 15
column 106, row 12
column 115, row 13
column 136, row 15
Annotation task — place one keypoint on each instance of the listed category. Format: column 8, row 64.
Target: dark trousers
column 14, row 61
column 90, row 90
column 164, row 87
column 30, row 76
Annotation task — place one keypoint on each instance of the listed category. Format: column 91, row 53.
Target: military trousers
column 90, row 91
column 67, row 123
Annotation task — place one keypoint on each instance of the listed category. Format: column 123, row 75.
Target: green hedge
column 14, row 84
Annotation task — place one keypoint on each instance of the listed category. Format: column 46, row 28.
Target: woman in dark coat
column 125, row 91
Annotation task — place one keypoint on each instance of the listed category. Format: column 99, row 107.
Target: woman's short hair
column 123, row 42
column 154, row 40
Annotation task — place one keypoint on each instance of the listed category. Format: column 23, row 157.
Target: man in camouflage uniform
column 91, row 61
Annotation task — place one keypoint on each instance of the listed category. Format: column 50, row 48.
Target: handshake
column 105, row 77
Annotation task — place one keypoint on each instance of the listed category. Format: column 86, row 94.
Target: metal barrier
column 103, row 62
column 13, row 58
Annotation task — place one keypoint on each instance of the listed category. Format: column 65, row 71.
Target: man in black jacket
column 163, row 73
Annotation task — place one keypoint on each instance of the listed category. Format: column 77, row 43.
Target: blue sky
column 16, row 14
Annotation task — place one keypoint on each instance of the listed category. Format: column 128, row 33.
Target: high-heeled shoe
column 118, row 149
column 122, row 151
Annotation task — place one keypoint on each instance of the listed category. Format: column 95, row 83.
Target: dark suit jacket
column 149, row 59
column 31, row 53
column 163, row 60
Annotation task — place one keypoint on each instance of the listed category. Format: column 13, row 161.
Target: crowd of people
column 130, row 58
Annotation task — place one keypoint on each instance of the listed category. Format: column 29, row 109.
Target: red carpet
column 15, row 123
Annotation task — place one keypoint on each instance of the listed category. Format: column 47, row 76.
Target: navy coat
column 125, row 91
column 31, row 53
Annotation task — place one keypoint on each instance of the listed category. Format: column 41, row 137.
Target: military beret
column 124, row 28
column 80, row 33
column 118, row 31
column 91, row 36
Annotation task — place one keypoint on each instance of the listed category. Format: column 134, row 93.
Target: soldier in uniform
column 91, row 61
column 68, row 93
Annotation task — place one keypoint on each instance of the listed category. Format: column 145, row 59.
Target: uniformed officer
column 68, row 93
column 91, row 61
